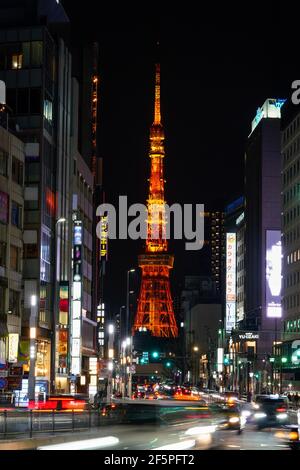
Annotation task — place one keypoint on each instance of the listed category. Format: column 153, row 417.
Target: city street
column 149, row 230
column 147, row 437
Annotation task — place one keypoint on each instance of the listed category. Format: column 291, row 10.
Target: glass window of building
column 36, row 53
column 23, row 101
column 17, row 61
column 3, row 162
column 35, row 101
column 45, row 257
column 16, row 215
column 14, row 302
column 25, row 55
column 14, row 258
column 11, row 99
column 17, row 171
column 2, row 254
column 30, row 251
column 48, row 110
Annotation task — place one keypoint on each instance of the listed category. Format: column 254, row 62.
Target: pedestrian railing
column 29, row 423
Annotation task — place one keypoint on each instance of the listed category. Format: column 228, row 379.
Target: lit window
column 17, row 61
column 48, row 110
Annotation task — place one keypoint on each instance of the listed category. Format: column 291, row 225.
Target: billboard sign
column 273, row 274
column 13, row 346
column 230, row 281
column 104, row 238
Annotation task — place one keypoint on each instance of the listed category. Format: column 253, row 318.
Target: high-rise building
column 232, row 267
column 262, row 258
column 36, row 65
column 12, row 159
column 290, row 147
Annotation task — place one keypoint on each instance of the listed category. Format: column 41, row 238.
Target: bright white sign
column 230, row 281
column 13, row 345
column 220, row 359
column 273, row 273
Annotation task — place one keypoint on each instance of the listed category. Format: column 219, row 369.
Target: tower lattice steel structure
column 155, row 306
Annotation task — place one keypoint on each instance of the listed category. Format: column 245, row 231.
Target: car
column 270, row 410
column 231, row 397
column 229, row 416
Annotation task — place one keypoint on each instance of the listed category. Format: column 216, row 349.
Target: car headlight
column 259, row 415
column 234, row 420
column 282, row 416
column 246, row 413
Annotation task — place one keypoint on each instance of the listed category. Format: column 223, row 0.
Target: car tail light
column 281, row 410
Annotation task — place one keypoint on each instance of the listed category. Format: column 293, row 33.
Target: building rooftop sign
column 270, row 109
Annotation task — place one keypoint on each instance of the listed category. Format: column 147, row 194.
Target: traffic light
column 155, row 355
column 168, row 364
column 226, row 361
column 284, row 360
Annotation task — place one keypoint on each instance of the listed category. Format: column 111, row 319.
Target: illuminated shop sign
column 230, row 281
column 273, row 273
column 63, row 318
column 62, row 350
column 103, row 237
column 249, row 336
column 13, row 347
column 76, row 319
column 220, row 359
column 63, row 328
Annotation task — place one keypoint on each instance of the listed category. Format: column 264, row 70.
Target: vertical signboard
column 230, row 281
column 273, row 273
column 13, row 346
column 77, row 298
column 100, row 324
column 220, row 359
column 104, row 238
column 63, row 328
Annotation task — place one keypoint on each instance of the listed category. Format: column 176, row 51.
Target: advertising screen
column 273, row 273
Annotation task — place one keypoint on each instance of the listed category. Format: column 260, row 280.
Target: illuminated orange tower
column 155, row 306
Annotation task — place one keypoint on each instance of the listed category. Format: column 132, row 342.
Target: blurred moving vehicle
column 270, row 410
column 231, row 397
column 290, row 435
column 230, row 416
column 60, row 403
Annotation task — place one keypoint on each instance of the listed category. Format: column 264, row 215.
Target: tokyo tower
column 155, row 306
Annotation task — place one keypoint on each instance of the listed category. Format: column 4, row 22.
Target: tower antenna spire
column 157, row 114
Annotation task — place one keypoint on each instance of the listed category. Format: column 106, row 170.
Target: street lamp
column 195, row 349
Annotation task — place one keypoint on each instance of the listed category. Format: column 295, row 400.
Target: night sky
column 213, row 80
